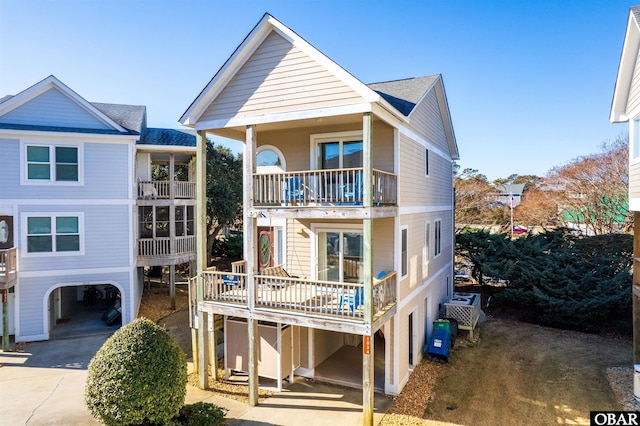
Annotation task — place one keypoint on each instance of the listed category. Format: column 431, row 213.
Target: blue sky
column 529, row 83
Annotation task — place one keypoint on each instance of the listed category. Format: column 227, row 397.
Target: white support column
column 367, row 273
column 200, row 358
column 249, row 255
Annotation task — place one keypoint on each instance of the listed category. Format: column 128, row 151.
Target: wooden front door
column 265, row 247
column 6, row 232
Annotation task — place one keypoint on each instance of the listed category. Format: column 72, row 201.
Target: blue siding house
column 79, row 208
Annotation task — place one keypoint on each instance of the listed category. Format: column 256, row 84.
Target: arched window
column 269, row 159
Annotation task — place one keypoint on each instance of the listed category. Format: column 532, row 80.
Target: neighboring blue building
column 79, row 206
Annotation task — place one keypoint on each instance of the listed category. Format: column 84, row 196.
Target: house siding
column 427, row 121
column 53, row 108
column 106, row 172
column 634, row 180
column 106, row 239
column 416, row 189
column 279, row 77
column 633, row 101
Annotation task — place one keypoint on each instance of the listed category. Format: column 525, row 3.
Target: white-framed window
column 45, row 163
column 404, row 251
column 437, row 237
column 427, row 242
column 185, row 221
column 426, row 162
column 341, row 150
column 53, row 233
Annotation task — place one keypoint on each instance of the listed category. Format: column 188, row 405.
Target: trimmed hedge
column 139, row 376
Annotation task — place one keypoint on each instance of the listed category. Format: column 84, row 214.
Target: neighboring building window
column 426, row 162
column 404, row 248
column 438, row 237
column 427, row 241
column 184, row 221
column 53, row 234
column 52, row 163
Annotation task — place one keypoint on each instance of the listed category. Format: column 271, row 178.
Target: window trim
column 437, row 235
column 24, row 174
column 404, row 263
column 426, row 162
column 427, row 242
column 52, row 215
column 341, row 137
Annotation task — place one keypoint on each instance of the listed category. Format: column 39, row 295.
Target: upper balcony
column 322, row 188
column 166, row 190
column 8, row 268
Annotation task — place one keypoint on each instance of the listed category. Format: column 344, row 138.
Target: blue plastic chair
column 352, row 301
column 293, row 190
column 352, row 192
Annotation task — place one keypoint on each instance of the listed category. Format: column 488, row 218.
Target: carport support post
column 200, row 354
column 5, row 320
column 367, row 271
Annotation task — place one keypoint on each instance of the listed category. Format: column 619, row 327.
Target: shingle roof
column 636, row 12
column 61, row 129
column 131, row 117
column 404, row 94
column 168, row 137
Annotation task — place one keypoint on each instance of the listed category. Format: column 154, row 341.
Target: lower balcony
column 166, row 250
column 8, row 268
column 323, row 300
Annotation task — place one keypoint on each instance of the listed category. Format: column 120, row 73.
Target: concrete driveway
column 44, row 385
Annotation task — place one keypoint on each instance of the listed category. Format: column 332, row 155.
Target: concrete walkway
column 44, row 385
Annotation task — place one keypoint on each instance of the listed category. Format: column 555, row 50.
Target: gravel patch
column 621, row 382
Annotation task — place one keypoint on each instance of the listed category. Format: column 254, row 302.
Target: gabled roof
column 626, row 67
column 131, row 117
column 12, row 103
column 404, row 94
column 395, row 99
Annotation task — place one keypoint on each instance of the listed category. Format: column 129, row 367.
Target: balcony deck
column 8, row 268
column 164, row 251
column 319, row 188
column 163, row 190
column 290, row 298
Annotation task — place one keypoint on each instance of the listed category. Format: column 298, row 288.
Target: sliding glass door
column 339, row 256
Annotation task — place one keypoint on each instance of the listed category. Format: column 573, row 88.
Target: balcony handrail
column 300, row 295
column 161, row 189
column 342, row 187
column 161, row 246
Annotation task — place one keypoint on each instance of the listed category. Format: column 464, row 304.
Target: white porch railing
column 158, row 247
column 313, row 187
column 8, row 267
column 302, row 296
column 161, row 189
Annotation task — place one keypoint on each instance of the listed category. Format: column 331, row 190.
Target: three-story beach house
column 348, row 217
column 80, row 210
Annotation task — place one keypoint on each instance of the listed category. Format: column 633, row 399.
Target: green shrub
column 201, row 414
column 138, row 376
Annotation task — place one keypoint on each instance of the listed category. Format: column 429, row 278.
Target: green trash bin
column 449, row 324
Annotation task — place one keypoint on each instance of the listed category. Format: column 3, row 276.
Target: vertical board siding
column 278, row 77
column 427, row 121
column 53, row 108
column 416, row 189
column 32, row 291
column 634, row 180
column 633, row 101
